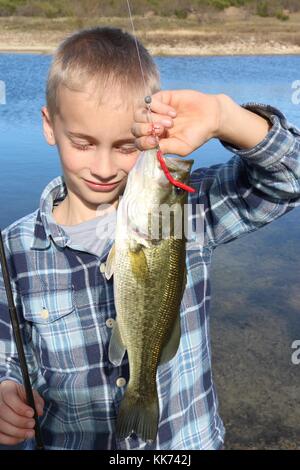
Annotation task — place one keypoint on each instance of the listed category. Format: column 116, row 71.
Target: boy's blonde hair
column 107, row 58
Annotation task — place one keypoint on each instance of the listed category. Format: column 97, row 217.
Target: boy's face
column 95, row 144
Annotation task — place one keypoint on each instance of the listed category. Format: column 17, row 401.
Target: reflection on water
column 255, row 319
column 255, row 280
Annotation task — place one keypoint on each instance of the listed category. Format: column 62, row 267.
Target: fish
column 147, row 262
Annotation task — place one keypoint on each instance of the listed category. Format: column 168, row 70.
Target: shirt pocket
column 56, row 330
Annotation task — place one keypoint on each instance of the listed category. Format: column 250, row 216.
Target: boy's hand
column 196, row 120
column 197, row 117
column 16, row 417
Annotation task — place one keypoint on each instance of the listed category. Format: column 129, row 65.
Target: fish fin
column 139, row 265
column 184, row 282
column 170, row 348
column 110, row 263
column 139, row 416
column 116, row 349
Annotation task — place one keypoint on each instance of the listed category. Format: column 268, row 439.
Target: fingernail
column 172, row 113
column 166, row 122
column 29, row 413
column 29, row 434
column 156, row 130
column 151, row 141
column 30, row 424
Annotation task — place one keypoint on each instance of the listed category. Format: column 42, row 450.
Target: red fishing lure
column 170, row 177
column 164, row 167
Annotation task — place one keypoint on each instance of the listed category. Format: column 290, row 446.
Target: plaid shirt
column 65, row 304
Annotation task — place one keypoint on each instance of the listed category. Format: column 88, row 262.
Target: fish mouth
column 147, row 167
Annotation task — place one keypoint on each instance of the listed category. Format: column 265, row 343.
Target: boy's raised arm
column 256, row 186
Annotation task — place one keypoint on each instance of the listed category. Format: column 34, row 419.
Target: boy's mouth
column 102, row 186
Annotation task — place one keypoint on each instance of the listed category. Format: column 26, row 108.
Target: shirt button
column 110, row 322
column 44, row 314
column 120, row 382
column 102, row 267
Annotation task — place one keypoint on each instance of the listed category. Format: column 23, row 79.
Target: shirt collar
column 45, row 225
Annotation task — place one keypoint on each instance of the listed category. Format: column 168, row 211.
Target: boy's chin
column 103, row 198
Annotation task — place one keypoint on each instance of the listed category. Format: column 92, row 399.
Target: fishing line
column 148, row 101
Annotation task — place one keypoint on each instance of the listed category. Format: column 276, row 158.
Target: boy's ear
column 47, row 126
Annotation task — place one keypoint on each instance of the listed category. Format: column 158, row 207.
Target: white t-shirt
column 94, row 234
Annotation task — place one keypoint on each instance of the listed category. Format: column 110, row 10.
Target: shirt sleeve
column 9, row 362
column 256, row 186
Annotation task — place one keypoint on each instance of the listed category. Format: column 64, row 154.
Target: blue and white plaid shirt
column 65, row 305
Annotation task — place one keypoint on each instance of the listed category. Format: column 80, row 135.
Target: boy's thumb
column 39, row 402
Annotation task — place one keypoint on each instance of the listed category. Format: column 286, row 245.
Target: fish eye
column 178, row 191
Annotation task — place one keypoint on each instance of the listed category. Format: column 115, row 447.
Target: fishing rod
column 19, row 344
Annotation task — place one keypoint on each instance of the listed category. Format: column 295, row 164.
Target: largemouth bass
column 147, row 262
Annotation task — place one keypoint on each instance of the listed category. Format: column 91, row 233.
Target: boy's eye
column 127, row 149
column 82, row 147
column 122, row 149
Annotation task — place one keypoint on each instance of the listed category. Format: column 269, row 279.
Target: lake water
column 255, row 280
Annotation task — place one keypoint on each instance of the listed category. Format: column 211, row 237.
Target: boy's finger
column 169, row 145
column 8, row 415
column 175, row 146
column 39, row 410
column 16, row 404
column 140, row 130
column 142, row 116
column 9, row 441
column 146, row 143
column 14, row 431
column 160, row 104
column 39, row 402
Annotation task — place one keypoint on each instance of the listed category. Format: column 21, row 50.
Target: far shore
column 162, row 36
column 182, row 48
column 230, row 49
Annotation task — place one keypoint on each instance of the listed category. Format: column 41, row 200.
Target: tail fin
column 139, row 417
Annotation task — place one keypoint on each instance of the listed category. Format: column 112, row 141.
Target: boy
column 57, row 255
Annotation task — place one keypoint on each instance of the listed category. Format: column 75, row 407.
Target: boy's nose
column 103, row 168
